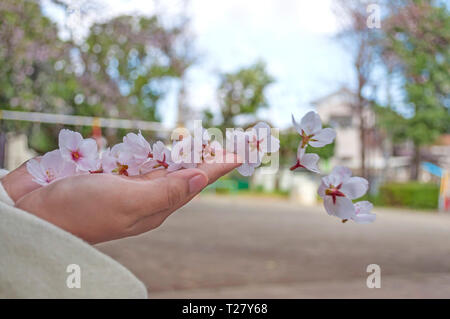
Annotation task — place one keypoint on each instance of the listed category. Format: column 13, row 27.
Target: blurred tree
column 126, row 65
column 358, row 39
column 30, row 56
column 289, row 141
column 243, row 93
column 122, row 69
column 415, row 46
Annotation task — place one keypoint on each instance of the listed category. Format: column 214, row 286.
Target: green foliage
column 417, row 38
column 243, row 92
column 411, row 195
column 289, row 141
column 121, row 70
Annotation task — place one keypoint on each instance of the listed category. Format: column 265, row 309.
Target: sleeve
column 4, row 197
column 40, row 260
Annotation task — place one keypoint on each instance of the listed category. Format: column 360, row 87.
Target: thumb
column 175, row 189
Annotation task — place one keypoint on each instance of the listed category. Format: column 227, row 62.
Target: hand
column 102, row 207
column 19, row 183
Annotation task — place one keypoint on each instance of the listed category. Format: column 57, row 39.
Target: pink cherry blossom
column 183, row 154
column 209, row 148
column 136, row 148
column 161, row 159
column 82, row 152
column 363, row 213
column 339, row 189
column 237, row 142
column 252, row 145
column 113, row 161
column 306, row 160
column 310, row 129
column 50, row 167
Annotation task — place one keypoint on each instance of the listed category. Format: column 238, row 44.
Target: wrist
column 5, row 195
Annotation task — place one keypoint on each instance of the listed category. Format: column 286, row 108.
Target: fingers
column 178, row 193
column 169, row 192
column 223, row 165
column 19, row 183
column 157, row 173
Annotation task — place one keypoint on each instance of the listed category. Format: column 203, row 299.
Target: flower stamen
column 334, row 192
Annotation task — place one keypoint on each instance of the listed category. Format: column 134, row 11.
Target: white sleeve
column 35, row 256
column 4, row 197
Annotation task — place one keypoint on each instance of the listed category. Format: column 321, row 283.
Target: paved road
column 231, row 247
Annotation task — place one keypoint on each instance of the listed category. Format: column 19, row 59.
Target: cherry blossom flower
column 237, row 142
column 50, row 167
column 252, row 145
column 113, row 161
column 310, row 129
column 363, row 213
column 183, row 154
column 136, row 148
column 306, row 160
column 339, row 189
column 209, row 148
column 82, row 152
column 161, row 159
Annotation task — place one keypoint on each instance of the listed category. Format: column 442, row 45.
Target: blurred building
column 338, row 110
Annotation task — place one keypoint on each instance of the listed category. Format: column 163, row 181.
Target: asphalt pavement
column 238, row 247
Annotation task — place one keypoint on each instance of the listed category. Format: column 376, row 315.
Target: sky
column 295, row 38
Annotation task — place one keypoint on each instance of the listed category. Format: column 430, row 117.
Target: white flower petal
column 311, row 123
column 35, row 170
column 321, row 190
column 69, row 139
column 309, row 161
column 52, row 160
column 86, row 164
column 364, row 218
column 88, row 148
column 69, row 169
column 274, row 145
column 343, row 208
column 355, row 187
column 246, row 169
column 323, row 137
column 296, row 125
column 339, row 174
column 363, row 207
column 363, row 213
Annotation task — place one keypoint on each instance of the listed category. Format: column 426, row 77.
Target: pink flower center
column 161, row 163
column 76, row 155
column 307, row 138
column 297, row 165
column 50, row 175
column 334, row 192
column 121, row 169
column 255, row 143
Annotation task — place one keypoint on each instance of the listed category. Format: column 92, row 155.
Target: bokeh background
column 376, row 71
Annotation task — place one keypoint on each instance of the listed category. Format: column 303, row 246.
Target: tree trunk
column 362, row 136
column 415, row 164
column 362, row 126
column 2, row 146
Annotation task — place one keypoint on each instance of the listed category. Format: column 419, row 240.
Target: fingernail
column 197, row 183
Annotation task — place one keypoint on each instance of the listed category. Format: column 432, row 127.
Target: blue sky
column 295, row 38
